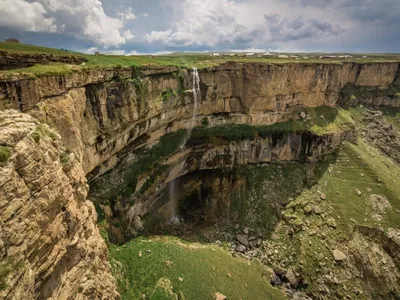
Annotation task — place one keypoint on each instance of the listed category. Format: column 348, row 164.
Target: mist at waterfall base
column 175, row 218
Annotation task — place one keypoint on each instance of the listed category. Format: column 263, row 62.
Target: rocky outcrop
column 50, row 247
column 15, row 60
column 376, row 257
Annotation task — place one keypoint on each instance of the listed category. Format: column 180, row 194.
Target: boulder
column 241, row 239
column 338, row 255
column 240, row 248
column 317, row 210
column 331, row 222
column 291, row 276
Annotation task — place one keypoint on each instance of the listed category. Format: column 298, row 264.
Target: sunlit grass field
column 181, row 60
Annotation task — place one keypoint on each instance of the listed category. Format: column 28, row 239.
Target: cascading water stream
column 172, row 186
column 196, row 96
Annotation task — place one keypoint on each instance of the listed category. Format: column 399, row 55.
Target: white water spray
column 196, row 96
column 172, row 186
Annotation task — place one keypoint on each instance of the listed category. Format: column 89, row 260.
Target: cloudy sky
column 157, row 26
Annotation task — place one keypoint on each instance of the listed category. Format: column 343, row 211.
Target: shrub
column 167, row 94
column 64, row 157
column 36, row 136
column 42, row 130
column 5, row 153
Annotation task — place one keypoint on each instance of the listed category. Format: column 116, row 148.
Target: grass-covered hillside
column 168, row 268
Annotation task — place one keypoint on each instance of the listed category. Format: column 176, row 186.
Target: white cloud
column 203, row 22
column 133, row 52
column 127, row 15
column 85, row 19
column 91, row 50
column 115, row 52
column 284, row 29
column 248, row 50
column 222, row 23
column 22, row 15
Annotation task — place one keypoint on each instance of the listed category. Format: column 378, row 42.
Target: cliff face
column 10, row 60
column 151, row 188
column 108, row 109
column 50, row 245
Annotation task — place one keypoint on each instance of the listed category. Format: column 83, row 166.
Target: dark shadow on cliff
column 216, row 204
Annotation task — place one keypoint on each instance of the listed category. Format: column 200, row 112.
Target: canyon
column 154, row 153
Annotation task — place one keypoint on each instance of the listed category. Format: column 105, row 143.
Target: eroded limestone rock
column 50, row 245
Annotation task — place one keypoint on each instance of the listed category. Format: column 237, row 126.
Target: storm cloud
column 134, row 26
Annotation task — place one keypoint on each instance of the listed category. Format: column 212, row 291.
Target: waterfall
column 172, row 185
column 196, row 96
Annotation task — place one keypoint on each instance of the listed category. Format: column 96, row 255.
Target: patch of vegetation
column 36, row 137
column 320, row 121
column 354, row 92
column 43, row 130
column 5, row 153
column 64, row 157
column 194, row 271
column 257, row 201
column 204, row 121
column 167, row 95
column 8, row 266
column 324, row 120
column 392, row 115
column 356, row 167
column 148, row 161
column 181, row 84
column 5, row 270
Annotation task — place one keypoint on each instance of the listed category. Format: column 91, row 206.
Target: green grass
column 43, row 130
column 320, row 121
column 5, row 153
column 355, row 160
column 204, row 270
column 5, row 270
column 355, row 167
column 326, row 120
column 167, row 95
column 25, row 48
column 181, row 60
column 64, row 157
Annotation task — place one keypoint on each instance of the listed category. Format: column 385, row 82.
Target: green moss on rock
column 5, row 153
